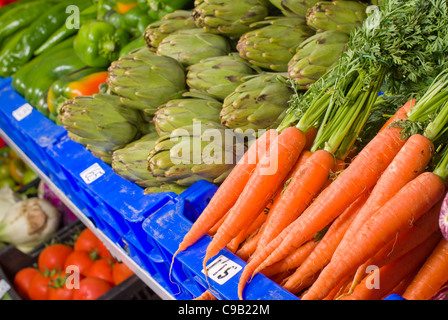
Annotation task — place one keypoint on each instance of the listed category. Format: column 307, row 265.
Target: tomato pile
column 83, row 271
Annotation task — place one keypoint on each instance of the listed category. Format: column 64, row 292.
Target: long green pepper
column 36, row 34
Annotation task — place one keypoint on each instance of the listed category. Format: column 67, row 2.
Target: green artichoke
column 273, row 45
column 315, row 56
column 185, row 111
column 170, row 23
column 294, row 7
column 190, row 46
column 101, row 123
column 219, row 76
column 166, row 187
column 207, row 151
column 145, row 80
column 258, row 103
column 130, row 162
column 336, row 15
column 230, row 18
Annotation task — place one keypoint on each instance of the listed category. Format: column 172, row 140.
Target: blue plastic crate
column 166, row 229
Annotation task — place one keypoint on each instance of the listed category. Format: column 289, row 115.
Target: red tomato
column 53, row 257
column 38, row 289
column 60, row 291
column 81, row 259
column 22, row 281
column 88, row 241
column 91, row 289
column 103, row 269
column 121, row 272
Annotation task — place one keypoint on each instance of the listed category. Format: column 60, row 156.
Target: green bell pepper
column 158, row 8
column 134, row 21
column 64, row 32
column 98, row 43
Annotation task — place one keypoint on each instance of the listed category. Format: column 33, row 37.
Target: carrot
column 306, row 181
column 362, row 174
column 310, row 136
column 250, row 229
column 390, row 275
column 407, row 206
column 432, row 276
column 248, row 247
column 269, row 174
column 406, row 241
column 409, row 162
column 401, row 287
column 400, row 114
column 316, row 261
column 206, row 295
column 229, row 191
column 292, row 261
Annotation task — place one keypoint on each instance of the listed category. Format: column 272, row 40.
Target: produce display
column 336, row 113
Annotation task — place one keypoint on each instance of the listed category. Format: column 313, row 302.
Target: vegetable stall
column 225, row 150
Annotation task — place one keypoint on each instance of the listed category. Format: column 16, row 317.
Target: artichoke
column 170, row 23
column 207, row 151
column 190, row 46
column 336, row 15
column 273, row 45
column 218, row 76
column 230, row 18
column 145, row 80
column 185, row 111
column 315, row 56
column 101, row 123
column 293, row 8
column 258, row 103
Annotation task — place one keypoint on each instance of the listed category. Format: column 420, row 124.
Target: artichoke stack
column 100, row 122
column 190, row 46
column 337, row 15
column 219, row 76
column 258, row 103
column 131, row 163
column 294, row 8
column 272, row 44
column 170, row 23
column 315, row 56
column 231, row 18
column 144, row 80
column 185, row 111
column 197, row 152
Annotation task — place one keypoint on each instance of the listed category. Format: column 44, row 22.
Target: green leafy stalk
column 442, row 167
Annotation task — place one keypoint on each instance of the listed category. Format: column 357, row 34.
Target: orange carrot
column 409, row 162
column 362, row 174
column 206, row 295
column 400, row 114
column 406, row 241
column 229, row 191
column 249, row 230
column 292, row 261
column 401, row 287
column 390, row 275
column 432, row 276
column 318, row 259
column 248, row 247
column 306, row 181
column 268, row 176
column 310, row 136
column 407, row 206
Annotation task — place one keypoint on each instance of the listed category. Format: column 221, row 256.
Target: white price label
column 4, row 287
column 222, row 269
column 22, row 112
column 92, row 173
